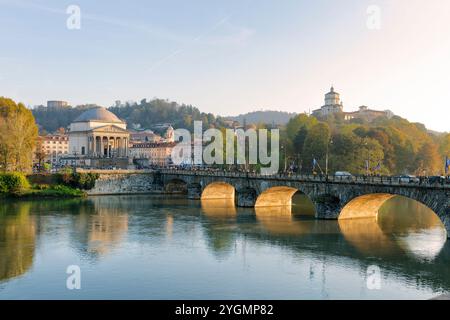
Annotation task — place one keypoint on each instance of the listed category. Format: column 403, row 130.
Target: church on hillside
column 333, row 105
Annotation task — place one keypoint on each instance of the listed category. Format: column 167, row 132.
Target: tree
column 350, row 153
column 444, row 147
column 40, row 154
column 299, row 139
column 428, row 160
column 18, row 133
column 297, row 122
column 315, row 146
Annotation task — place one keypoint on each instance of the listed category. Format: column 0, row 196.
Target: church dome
column 332, row 97
column 99, row 114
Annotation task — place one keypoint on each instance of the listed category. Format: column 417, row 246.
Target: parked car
column 343, row 175
column 408, row 179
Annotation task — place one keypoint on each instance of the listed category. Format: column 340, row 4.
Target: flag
column 315, row 163
column 447, row 164
column 377, row 167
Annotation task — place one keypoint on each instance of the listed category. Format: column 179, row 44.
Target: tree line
column 144, row 114
column 384, row 146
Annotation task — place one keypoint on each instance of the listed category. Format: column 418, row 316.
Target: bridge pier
column 445, row 218
column 246, row 197
column 327, row 207
column 194, row 191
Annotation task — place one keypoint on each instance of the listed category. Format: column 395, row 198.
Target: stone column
column 102, row 147
column 111, row 147
column 108, row 149
column 94, row 145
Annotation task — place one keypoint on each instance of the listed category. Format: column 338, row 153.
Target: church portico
column 108, row 145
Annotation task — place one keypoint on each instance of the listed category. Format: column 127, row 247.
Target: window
column 83, row 150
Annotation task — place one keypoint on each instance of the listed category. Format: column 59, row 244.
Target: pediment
column 109, row 129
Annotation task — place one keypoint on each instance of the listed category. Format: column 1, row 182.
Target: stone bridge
column 333, row 197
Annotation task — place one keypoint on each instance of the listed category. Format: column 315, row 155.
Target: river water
column 150, row 247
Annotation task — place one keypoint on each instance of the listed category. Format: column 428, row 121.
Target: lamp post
column 285, row 164
column 330, row 142
column 368, row 159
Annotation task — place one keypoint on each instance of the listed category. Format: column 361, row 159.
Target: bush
column 60, row 191
column 14, row 182
column 83, row 181
column 66, row 175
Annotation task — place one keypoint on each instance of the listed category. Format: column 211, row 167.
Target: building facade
column 144, row 136
column 56, row 104
column 98, row 134
column 52, row 148
column 158, row 154
column 333, row 105
column 367, row 114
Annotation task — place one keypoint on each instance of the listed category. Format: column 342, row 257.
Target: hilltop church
column 334, row 105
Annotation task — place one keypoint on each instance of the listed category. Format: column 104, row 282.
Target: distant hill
column 268, row 116
column 146, row 114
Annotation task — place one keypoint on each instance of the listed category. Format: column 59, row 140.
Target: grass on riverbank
column 16, row 185
column 46, row 191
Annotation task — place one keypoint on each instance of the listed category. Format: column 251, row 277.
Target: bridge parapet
column 369, row 180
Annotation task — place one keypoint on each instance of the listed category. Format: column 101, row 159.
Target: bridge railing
column 379, row 180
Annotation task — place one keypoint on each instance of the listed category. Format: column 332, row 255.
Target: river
column 154, row 247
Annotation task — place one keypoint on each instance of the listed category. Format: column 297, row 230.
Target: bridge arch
column 281, row 199
column 176, row 185
column 276, row 197
column 218, row 190
column 365, row 206
column 369, row 205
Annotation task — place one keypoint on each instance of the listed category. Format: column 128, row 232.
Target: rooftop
column 98, row 114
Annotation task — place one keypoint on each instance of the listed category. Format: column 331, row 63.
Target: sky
column 231, row 57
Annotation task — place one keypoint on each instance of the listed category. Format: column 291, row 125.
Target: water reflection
column 367, row 236
column 416, row 228
column 407, row 241
column 218, row 208
column 280, row 221
column 17, row 239
column 100, row 225
column 217, row 231
column 402, row 226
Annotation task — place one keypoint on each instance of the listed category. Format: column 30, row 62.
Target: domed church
column 98, row 138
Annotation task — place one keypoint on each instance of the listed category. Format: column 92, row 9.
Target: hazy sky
column 230, row 57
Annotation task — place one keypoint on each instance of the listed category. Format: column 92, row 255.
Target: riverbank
column 17, row 185
column 58, row 191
